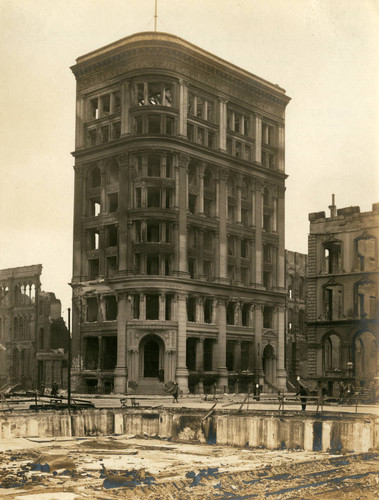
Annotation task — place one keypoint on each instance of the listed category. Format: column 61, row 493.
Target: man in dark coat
column 302, row 392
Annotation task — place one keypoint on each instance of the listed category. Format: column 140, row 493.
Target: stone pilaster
column 182, row 243
column 183, row 107
column 121, row 371
column 181, row 367
column 221, row 345
column 223, row 242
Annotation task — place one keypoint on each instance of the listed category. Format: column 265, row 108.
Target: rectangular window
column 238, row 150
column 229, row 146
column 140, row 94
column 169, row 299
column 92, row 136
column 111, row 266
column 154, row 123
column 167, row 95
column 191, row 353
column 136, row 306
column 210, row 112
column 94, row 109
column 116, row 130
column 191, row 104
column 154, row 166
column 152, row 306
column 117, row 102
column 109, row 357
column 113, row 202
column 208, row 311
column 191, row 309
column 230, row 345
column 200, row 136
column 92, row 309
column 112, row 234
column 169, row 125
column 138, row 121
column 192, row 267
column 152, row 265
column 244, row 249
column 138, row 197
column 207, row 269
column 105, row 105
column 153, row 197
column 211, row 139
column 190, row 132
column 104, row 134
column 199, row 107
column 110, row 308
column 93, row 268
column 267, row 317
column 208, row 355
column 91, row 353
column 246, row 125
column 245, row 356
column 155, row 94
column 237, row 122
column 152, row 232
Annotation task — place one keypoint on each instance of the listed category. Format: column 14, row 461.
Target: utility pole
column 69, row 361
column 155, row 16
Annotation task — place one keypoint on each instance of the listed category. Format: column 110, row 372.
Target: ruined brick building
column 343, row 278
column 178, row 253
column 296, row 334
column 30, row 329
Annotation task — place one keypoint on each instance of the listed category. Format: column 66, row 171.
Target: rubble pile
column 138, row 468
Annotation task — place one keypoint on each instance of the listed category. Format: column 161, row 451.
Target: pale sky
column 325, row 54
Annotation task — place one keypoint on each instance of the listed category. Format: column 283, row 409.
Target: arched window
column 365, row 299
column 365, row 356
column 332, row 262
column 332, row 352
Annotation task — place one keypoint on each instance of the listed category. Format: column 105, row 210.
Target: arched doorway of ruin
column 151, row 356
column 268, row 363
column 365, row 356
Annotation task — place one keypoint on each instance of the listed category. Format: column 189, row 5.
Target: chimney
column 333, row 208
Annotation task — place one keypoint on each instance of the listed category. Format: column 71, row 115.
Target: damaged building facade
column 343, row 276
column 178, row 252
column 296, row 334
column 33, row 336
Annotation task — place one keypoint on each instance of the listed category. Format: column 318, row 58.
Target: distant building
column 343, row 276
column 178, row 220
column 30, row 327
column 296, row 321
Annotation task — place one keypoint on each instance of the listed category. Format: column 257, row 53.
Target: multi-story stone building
column 296, row 336
column 343, row 276
column 30, row 326
column 178, row 220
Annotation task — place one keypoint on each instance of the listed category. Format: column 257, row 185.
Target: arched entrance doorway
column 152, row 352
column 365, row 353
column 268, row 363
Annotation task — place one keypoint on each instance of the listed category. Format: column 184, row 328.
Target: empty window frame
column 92, row 309
column 93, row 271
column 191, row 344
column 366, row 253
column 268, row 317
column 112, row 266
column 91, row 353
column 238, row 122
column 152, row 264
column 136, row 306
column 112, row 235
column 110, row 308
column 201, row 107
column 109, row 352
column 230, row 355
column 154, row 94
column 93, row 239
column 113, row 202
column 268, row 134
column 230, row 313
column 208, row 355
column 191, row 309
column 208, row 310
column 332, row 301
column 152, row 306
column 332, row 257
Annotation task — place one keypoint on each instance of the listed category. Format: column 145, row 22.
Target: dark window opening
column 152, row 265
column 113, row 202
column 267, row 279
column 190, row 132
column 93, row 268
column 192, row 203
column 211, row 139
column 191, row 353
column 109, row 353
column 267, row 222
column 136, row 306
column 106, row 104
column 93, row 236
column 140, row 94
column 332, row 257
column 111, row 266
column 230, row 346
column 244, row 249
column 169, row 299
column 153, row 198
column 167, row 265
column 208, row 311
column 267, row 317
column 230, row 313
column 116, row 130
column 110, row 308
column 153, row 166
column 245, row 355
column 112, row 236
column 95, row 177
column 104, row 134
column 138, row 124
column 169, row 125
column 152, row 306
column 138, row 197
column 94, row 109
column 91, row 353
column 137, row 263
column 92, row 309
column 207, row 269
column 192, row 267
column 245, row 314
column 191, row 309
column 117, row 102
column 208, row 355
column 152, row 232
column 154, row 123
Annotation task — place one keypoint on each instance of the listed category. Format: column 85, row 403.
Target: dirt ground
column 134, row 467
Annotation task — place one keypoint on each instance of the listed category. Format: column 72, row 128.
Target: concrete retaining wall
column 353, row 433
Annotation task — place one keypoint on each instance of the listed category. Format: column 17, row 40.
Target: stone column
column 281, row 247
column 80, row 120
column 258, row 139
column 258, row 235
column 200, row 255
column 142, row 312
column 125, row 106
column 221, row 345
column 200, row 355
column 223, row 242
column 123, row 212
column 78, row 249
column 238, row 276
column 181, row 367
column 281, row 376
column 101, row 252
column 201, row 189
column 258, row 343
column 183, row 107
column 237, row 355
column 103, row 194
column 121, row 372
column 281, row 148
column 223, row 124
column 162, row 307
column 239, row 200
column 182, row 243
column 176, row 176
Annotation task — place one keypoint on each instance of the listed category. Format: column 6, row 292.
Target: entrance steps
column 149, row 386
